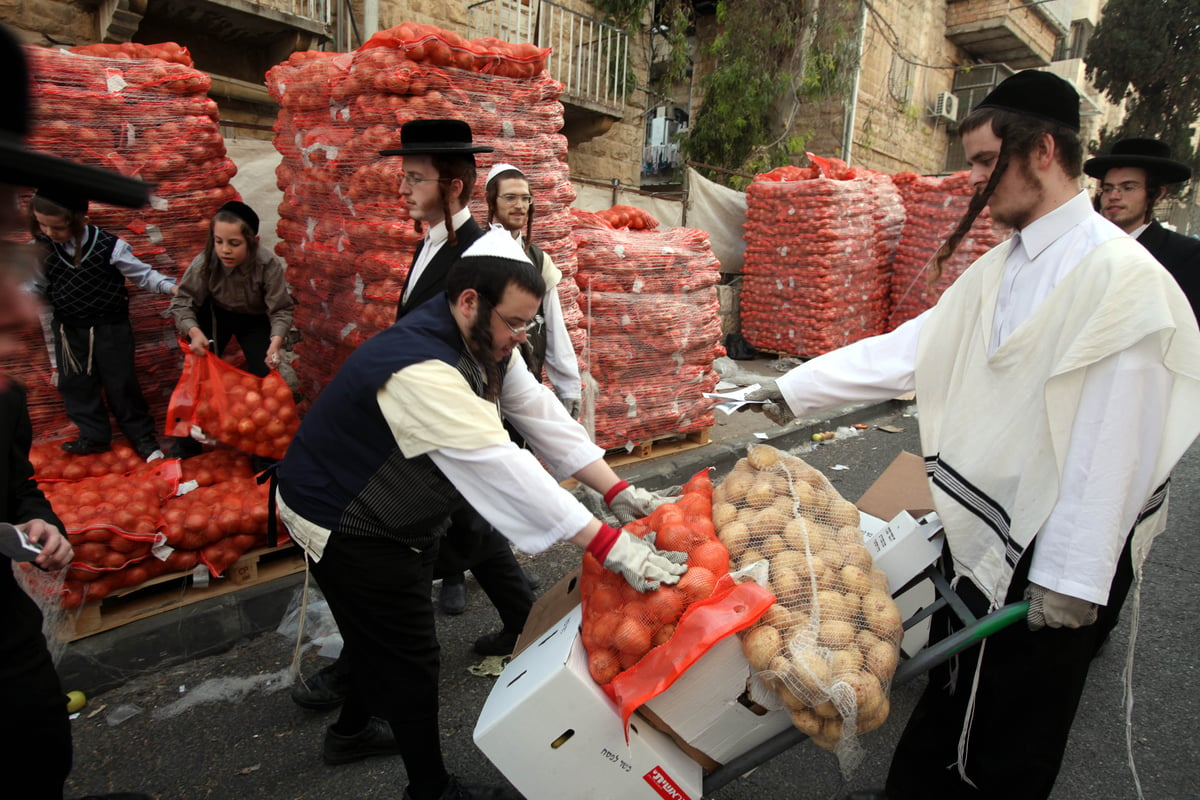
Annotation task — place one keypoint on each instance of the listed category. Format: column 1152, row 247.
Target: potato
column 780, row 618
column 881, row 659
column 769, row 521
column 810, row 672
column 858, row 555
column 831, row 731
column 748, row 557
column 761, row 645
column 881, row 615
column 832, row 556
column 841, row 513
column 795, row 533
column 827, row 710
column 879, row 579
column 772, row 545
column 825, row 744
column 807, row 499
column 719, row 495
column 855, row 579
column 866, row 640
column 873, row 721
column 773, row 676
column 736, row 485
column 762, row 456
column 832, row 604
column 723, row 514
column 736, row 538
column 828, row 579
column 784, row 504
column 845, row 661
column 868, row 691
column 836, row 634
column 761, row 493
column 805, row 721
column 790, row 559
column 785, row 585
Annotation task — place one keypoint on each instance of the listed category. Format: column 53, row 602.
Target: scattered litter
column 861, row 426
column 761, row 435
column 846, row 432
column 248, row 770
column 839, row 467
column 183, row 688
column 490, row 667
column 890, row 429
column 224, row 690
column 121, row 713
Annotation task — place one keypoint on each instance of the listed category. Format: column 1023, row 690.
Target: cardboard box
column 716, row 710
column 554, row 733
column 899, row 525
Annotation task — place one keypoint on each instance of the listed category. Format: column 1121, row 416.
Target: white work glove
column 1047, row 607
column 630, row 502
column 573, row 405
column 776, row 408
column 642, row 564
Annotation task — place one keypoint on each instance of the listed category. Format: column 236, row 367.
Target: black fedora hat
column 1038, row 94
column 436, row 137
column 1149, row 154
column 20, row 166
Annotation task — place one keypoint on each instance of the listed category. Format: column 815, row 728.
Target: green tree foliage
column 769, row 62
column 1148, row 53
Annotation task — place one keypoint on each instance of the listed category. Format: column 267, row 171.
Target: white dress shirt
column 434, row 239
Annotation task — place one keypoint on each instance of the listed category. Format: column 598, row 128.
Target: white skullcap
column 496, row 243
column 497, row 169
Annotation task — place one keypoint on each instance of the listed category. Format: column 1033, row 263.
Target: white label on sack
column 114, row 80
column 186, row 487
column 619, row 250
column 200, row 576
column 638, row 285
column 159, row 203
column 154, row 233
column 162, row 551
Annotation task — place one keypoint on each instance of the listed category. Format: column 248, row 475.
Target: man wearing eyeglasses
column 510, row 205
column 1133, row 177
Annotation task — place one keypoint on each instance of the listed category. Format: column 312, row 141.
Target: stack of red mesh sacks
column 819, row 246
column 149, row 117
column 933, row 207
column 650, row 306
column 344, row 230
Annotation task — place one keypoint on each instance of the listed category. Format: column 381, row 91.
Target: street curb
column 107, row 660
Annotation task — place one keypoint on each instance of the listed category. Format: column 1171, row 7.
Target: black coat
column 1180, row 255
column 433, row 278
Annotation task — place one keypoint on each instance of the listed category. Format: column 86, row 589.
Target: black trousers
column 252, row 331
column 472, row 543
column 1029, row 689
column 112, row 372
column 379, row 590
column 37, row 755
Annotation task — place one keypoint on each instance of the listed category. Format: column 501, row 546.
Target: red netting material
column 652, row 315
column 829, row 646
column 344, row 231
column 819, row 246
column 933, row 207
column 152, row 119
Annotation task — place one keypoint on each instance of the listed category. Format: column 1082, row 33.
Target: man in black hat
column 36, row 759
column 1133, row 177
column 1057, row 381
column 410, row 426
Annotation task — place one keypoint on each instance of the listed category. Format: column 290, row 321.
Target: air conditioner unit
column 945, row 107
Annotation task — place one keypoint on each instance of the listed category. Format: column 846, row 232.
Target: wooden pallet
column 667, row 445
column 176, row 590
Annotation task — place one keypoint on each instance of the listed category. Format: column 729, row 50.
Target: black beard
column 479, row 342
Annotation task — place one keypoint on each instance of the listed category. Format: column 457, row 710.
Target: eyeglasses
column 523, row 199
column 520, row 329
column 413, row 181
column 1124, row 188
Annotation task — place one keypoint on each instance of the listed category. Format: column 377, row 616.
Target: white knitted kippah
column 497, row 169
column 496, row 243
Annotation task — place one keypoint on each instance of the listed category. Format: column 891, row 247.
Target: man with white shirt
column 410, row 426
column 1057, row 381
column 1134, row 176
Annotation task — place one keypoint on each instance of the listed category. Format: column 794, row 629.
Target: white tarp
column 721, row 212
column 256, row 160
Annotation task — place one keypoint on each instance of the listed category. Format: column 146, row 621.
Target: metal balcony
column 1021, row 35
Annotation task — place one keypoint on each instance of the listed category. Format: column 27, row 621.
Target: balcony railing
column 588, row 56
column 316, row 10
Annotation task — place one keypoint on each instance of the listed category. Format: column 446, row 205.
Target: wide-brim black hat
column 1149, row 154
column 20, row 166
column 1038, row 94
column 436, row 137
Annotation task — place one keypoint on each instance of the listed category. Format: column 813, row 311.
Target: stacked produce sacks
column 652, row 315
column 819, row 246
column 344, row 231
column 143, row 111
column 829, row 646
column 933, row 207
column 130, row 522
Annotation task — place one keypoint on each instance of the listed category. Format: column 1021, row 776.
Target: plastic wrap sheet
column 150, row 118
column 650, row 309
column 343, row 229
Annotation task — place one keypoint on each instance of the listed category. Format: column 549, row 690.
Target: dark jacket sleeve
column 23, row 500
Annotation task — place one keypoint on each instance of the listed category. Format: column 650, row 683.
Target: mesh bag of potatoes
column 829, row 645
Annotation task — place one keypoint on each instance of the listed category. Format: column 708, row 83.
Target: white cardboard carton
column 554, row 733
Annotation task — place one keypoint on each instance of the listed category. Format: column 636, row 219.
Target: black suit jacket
column 433, row 277
column 1180, row 255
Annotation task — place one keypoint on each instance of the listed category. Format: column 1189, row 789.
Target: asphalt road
column 224, row 726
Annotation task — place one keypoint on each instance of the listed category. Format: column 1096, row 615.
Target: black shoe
column 375, row 739
column 146, row 448
column 323, row 691
column 453, row 598
column 496, row 643
column 457, row 791
column 85, row 447
column 184, row 447
column 534, row 581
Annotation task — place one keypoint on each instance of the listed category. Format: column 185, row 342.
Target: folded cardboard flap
column 901, row 487
column 549, row 609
